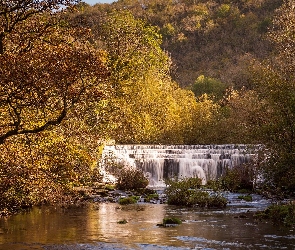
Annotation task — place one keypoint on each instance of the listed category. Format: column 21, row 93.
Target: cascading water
column 160, row 162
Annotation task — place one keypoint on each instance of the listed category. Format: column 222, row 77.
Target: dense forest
column 149, row 71
column 217, row 39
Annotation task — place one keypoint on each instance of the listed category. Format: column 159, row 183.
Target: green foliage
column 171, row 220
column 216, row 201
column 150, row 197
column 141, row 104
column 245, row 197
column 278, row 171
column 131, row 179
column 241, row 177
column 109, row 187
column 186, row 193
column 223, row 10
column 210, row 86
column 206, row 117
column 124, row 221
column 128, row 200
column 185, row 183
column 168, row 30
column 231, row 180
column 279, row 214
column 244, row 191
column 138, row 42
column 215, row 185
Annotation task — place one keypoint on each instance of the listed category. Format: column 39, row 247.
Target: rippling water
column 96, row 227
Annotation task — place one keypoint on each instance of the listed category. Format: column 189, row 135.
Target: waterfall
column 159, row 162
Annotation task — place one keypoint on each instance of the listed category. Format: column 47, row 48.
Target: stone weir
column 160, row 162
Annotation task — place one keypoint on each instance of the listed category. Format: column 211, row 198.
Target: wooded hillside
column 217, row 39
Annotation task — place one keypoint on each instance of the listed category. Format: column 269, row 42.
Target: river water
column 96, row 227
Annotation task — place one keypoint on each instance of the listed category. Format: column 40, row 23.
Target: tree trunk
column 1, row 43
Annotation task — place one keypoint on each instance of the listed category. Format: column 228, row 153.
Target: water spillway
column 160, row 162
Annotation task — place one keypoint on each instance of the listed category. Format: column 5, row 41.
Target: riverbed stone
column 98, row 193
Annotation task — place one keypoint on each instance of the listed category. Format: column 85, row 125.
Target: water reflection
column 96, row 227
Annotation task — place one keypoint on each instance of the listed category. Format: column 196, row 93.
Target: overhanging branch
column 45, row 126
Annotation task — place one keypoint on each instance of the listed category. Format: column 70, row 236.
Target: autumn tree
column 276, row 85
column 46, row 66
column 139, row 86
column 49, row 71
column 14, row 13
column 146, row 106
column 210, row 86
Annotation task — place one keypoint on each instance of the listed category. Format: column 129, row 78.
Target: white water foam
column 160, row 162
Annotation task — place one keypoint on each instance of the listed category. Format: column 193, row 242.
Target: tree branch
column 49, row 123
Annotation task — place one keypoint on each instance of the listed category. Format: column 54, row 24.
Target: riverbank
column 101, row 192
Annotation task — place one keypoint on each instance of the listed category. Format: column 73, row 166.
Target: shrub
column 109, row 187
column 151, row 197
column 185, row 183
column 214, row 184
column 182, row 192
column 130, row 179
column 171, row 220
column 216, row 201
column 238, row 178
column 210, row 86
column 278, row 214
column 244, row 191
column 245, row 197
column 144, row 192
column 128, row 200
column 186, row 193
column 124, row 221
column 40, row 169
column 231, row 180
column 279, row 173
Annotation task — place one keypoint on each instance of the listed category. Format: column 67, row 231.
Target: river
column 96, row 227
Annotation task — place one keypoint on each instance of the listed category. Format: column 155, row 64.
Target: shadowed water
column 96, row 227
